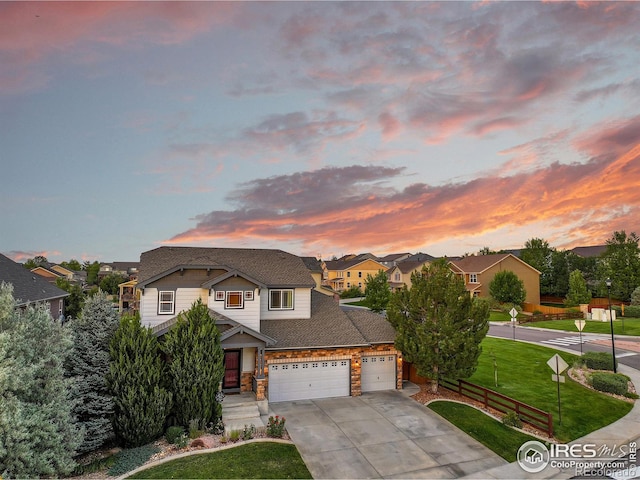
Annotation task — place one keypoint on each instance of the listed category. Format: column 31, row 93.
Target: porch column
column 260, row 362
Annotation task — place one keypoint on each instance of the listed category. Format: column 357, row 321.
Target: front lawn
column 631, row 326
column 523, row 374
column 253, row 460
column 503, row 440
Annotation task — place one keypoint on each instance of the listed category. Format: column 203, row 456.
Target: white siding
column 248, row 316
column 184, row 298
column 301, row 305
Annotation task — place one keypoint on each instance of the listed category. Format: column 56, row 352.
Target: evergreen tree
column 38, row 435
column 136, row 379
column 377, row 293
column 578, row 292
column 89, row 365
column 439, row 326
column 506, row 287
column 196, row 365
column 635, row 296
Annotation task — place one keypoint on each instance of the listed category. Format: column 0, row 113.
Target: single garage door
column 378, row 373
column 304, row 380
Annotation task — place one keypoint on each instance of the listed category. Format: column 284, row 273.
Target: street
column 627, row 348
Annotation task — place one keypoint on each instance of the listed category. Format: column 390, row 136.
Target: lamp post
column 613, row 346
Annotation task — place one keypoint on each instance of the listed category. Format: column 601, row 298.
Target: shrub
column 248, row 432
column 352, row 292
column 632, row 311
column 194, row 429
column 275, row 426
column 610, row 382
column 173, row 434
column 512, row 419
column 234, row 435
column 598, row 360
column 182, row 441
column 131, row 458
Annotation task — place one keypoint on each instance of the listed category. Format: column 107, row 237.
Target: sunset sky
column 317, row 128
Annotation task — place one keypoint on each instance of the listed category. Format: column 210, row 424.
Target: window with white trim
column 281, row 299
column 473, row 278
column 166, row 302
column 233, row 299
column 219, row 295
column 248, row 294
column 397, row 277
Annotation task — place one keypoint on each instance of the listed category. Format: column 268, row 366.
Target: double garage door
column 328, row 378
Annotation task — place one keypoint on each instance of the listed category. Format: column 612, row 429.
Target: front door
column 231, row 370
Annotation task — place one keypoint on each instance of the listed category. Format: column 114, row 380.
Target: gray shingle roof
column 27, row 286
column 273, row 268
column 373, row 326
column 329, row 326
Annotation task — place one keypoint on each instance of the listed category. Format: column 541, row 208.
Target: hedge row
column 598, row 360
column 615, row 383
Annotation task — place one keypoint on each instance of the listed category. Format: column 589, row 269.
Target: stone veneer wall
column 246, row 379
column 354, row 354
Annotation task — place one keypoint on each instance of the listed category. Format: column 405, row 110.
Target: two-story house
column 478, row 271
column 351, row 270
column 282, row 338
column 29, row 287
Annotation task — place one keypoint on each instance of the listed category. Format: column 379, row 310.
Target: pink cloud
column 361, row 212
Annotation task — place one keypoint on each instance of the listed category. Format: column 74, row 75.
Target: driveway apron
column 380, row 435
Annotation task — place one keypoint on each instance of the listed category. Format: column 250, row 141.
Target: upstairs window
column 166, row 303
column 473, row 278
column 281, row 299
column 233, row 300
column 359, row 274
column 397, row 276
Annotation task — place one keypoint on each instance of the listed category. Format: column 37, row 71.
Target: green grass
column 496, row 316
column 503, row 440
column 524, row 375
column 252, row 460
column 631, row 326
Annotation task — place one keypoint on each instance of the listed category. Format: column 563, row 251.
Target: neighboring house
column 393, row 258
column 351, row 270
column 52, row 272
column 400, row 275
column 29, row 287
column 478, row 271
column 315, row 267
column 592, row 251
column 282, row 338
column 128, row 297
column 126, row 269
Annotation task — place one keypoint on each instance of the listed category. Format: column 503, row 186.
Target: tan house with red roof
column 282, row 338
column 478, row 272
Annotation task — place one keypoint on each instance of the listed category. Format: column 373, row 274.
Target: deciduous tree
column 506, row 287
column 621, row 263
column 439, row 326
column 378, row 292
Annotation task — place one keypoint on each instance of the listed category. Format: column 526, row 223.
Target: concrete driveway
column 380, row 435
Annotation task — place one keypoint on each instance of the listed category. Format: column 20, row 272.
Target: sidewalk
column 621, row 432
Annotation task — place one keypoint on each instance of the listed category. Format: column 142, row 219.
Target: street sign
column 514, row 313
column 580, row 324
column 557, row 364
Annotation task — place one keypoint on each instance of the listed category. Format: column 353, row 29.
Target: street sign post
column 580, row 325
column 558, row 365
column 514, row 313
